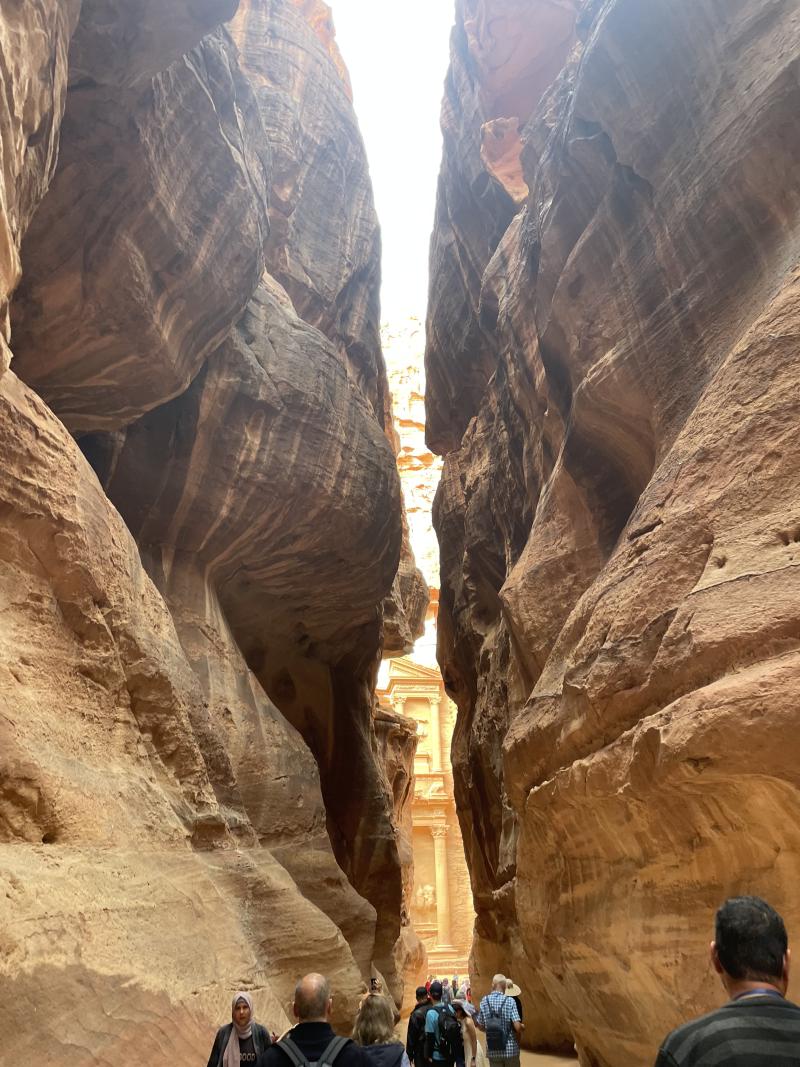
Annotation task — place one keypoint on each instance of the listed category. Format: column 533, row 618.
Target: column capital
column 439, row 831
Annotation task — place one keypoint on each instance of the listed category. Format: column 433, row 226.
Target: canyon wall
column 200, row 531
column 612, row 368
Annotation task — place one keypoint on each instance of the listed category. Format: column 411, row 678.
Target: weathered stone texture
column 34, row 39
column 324, row 244
column 193, row 794
column 131, row 280
column 618, row 621
column 504, row 54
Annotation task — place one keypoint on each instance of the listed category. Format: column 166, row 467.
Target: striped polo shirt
column 753, row 1032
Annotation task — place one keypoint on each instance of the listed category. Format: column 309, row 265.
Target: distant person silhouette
column 758, row 1027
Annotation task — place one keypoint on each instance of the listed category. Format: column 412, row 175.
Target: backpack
column 448, row 1041
column 326, row 1059
column 496, row 1027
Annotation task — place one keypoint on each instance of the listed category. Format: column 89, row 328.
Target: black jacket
column 261, row 1040
column 415, row 1038
column 387, row 1055
column 312, row 1039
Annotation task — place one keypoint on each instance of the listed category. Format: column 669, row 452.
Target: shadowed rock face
column 504, row 54
column 617, row 523
column 328, row 260
column 130, row 279
column 35, row 39
column 194, row 797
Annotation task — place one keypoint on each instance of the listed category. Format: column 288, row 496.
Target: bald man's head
column 312, row 999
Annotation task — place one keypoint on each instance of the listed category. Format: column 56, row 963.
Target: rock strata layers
column 200, row 520
column 617, row 508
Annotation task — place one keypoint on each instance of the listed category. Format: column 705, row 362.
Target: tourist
column 242, row 1040
column 757, row 1026
column 415, row 1037
column 499, row 1019
column 474, row 1056
column 313, row 1039
column 443, row 1045
column 454, row 985
column 373, row 1029
column 514, row 991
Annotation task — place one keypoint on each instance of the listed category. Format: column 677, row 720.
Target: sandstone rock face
column 34, row 39
column 504, row 54
column 324, row 244
column 130, row 279
column 617, row 512
column 195, row 796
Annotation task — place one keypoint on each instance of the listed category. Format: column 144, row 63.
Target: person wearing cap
column 435, row 1052
column 498, row 1015
column 415, row 1038
column 514, row 991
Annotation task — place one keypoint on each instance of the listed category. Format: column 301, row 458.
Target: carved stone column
column 436, row 734
column 442, row 885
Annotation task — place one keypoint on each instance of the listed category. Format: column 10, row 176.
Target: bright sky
column 397, row 55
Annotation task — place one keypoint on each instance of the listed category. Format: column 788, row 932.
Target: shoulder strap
column 293, row 1052
column 333, row 1050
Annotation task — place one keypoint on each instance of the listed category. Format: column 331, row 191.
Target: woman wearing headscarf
column 374, row 1031
column 240, row 1042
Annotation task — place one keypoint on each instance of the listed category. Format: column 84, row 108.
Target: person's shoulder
column 275, row 1053
column 352, row 1054
column 272, row 1056
column 683, row 1038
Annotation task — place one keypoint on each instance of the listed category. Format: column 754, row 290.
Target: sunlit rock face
column 194, row 795
column 617, row 510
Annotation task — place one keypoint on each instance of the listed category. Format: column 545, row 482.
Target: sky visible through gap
column 397, row 55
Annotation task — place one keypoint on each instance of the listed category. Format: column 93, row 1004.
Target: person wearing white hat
column 499, row 1019
column 514, row 991
column 474, row 1056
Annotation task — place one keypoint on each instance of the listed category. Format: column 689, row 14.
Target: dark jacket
column 415, row 1038
column 387, row 1055
column 261, row 1040
column 312, row 1039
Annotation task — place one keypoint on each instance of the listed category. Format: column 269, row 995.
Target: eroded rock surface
column 194, row 795
column 617, row 510
column 34, row 39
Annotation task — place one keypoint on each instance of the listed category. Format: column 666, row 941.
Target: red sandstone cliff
column 200, row 519
column 612, row 371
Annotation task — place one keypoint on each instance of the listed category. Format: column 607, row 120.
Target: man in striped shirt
column 758, row 1026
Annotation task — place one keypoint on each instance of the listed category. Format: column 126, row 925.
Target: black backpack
column 448, row 1040
column 327, row 1058
column 496, row 1027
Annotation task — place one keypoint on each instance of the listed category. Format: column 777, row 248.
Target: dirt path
column 533, row 1059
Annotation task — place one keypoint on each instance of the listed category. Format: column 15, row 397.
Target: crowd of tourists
column 756, row 1027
